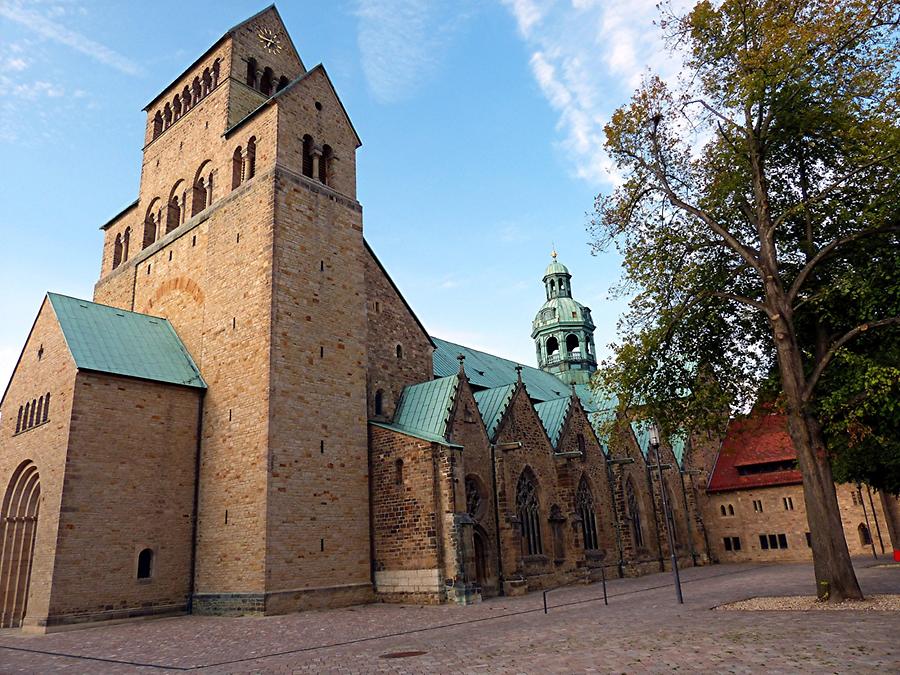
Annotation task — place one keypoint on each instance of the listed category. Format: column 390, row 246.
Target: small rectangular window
column 782, row 541
column 773, row 541
column 727, row 541
column 736, row 543
column 764, row 542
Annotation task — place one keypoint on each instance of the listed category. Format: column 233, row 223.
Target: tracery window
column 529, row 513
column 634, row 513
column 584, row 506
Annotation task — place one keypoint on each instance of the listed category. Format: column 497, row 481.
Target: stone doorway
column 19, row 528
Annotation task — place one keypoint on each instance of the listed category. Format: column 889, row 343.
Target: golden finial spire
column 553, row 252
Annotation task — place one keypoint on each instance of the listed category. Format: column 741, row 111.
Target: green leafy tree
column 751, row 191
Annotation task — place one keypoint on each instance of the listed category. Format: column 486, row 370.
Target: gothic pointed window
column 584, row 505
column 634, row 513
column 529, row 513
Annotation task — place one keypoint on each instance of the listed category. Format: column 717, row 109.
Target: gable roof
column 760, row 439
column 486, row 371
column 492, row 404
column 231, row 31
column 387, row 276
column 424, row 409
column 553, row 414
column 110, row 340
column 282, row 92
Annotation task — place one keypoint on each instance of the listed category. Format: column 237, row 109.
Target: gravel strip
column 793, row 603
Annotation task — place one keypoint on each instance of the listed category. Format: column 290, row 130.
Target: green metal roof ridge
column 415, row 433
column 492, row 405
column 641, row 430
column 486, row 371
column 552, row 415
column 117, row 341
column 426, row 406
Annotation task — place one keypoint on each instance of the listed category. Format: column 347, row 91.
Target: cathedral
column 248, row 417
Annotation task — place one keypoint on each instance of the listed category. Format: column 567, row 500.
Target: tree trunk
column 835, row 577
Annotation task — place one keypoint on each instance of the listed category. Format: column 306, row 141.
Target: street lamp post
column 654, row 443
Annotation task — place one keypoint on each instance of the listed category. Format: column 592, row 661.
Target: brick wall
column 129, row 486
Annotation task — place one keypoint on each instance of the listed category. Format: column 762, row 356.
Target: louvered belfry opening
column 19, row 526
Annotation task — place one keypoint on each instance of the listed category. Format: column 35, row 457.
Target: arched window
column 730, row 509
column 173, row 214
column 529, row 513
column 250, row 164
column 196, row 92
column 126, row 240
column 307, row 167
column 399, row 351
column 572, row 344
column 282, row 83
column 325, row 164
column 552, row 288
column 150, row 225
column 215, row 73
column 167, row 115
column 32, row 415
column 251, row 73
column 865, row 539
column 185, row 99
column 19, row 420
column 176, row 106
column 584, row 505
column 379, row 402
column 46, row 406
column 157, row 124
column 398, row 472
column 237, row 167
column 25, row 418
column 206, row 81
column 40, row 410
column 634, row 513
column 145, row 564
column 722, row 509
column 265, row 84
column 552, row 346
column 117, row 251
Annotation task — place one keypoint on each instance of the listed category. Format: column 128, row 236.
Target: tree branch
column 826, row 251
column 840, row 342
column 740, row 298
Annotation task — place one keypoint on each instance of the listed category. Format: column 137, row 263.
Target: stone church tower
column 563, row 331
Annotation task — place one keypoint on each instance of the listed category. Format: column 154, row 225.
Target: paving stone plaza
column 640, row 630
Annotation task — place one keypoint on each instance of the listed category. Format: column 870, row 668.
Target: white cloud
column 587, row 56
column 15, row 64
column 393, row 37
column 45, row 26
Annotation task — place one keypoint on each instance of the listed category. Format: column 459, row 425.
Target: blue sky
column 482, row 128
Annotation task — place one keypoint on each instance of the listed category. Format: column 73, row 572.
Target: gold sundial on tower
column 269, row 39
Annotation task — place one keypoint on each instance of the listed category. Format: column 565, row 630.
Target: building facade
column 249, row 417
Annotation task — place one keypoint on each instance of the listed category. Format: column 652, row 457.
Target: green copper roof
column 415, row 433
column 111, row 340
column 425, row 408
column 486, row 371
column 556, row 268
column 492, row 404
column 553, row 414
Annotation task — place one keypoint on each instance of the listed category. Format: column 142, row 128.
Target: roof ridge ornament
column 462, row 363
column 518, row 374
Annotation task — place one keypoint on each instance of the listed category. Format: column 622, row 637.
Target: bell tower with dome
column 563, row 331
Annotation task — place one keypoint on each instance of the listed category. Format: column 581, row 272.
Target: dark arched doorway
column 481, row 564
column 19, row 517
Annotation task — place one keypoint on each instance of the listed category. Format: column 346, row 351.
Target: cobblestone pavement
column 641, row 630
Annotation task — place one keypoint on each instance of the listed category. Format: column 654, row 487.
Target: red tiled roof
column 754, row 440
